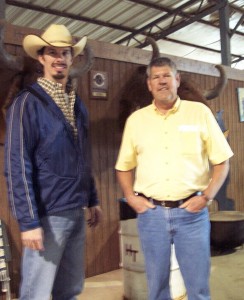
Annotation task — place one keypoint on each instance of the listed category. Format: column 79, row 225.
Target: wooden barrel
column 132, row 262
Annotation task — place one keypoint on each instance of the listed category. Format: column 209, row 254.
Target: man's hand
column 33, row 239
column 95, row 216
column 195, row 204
column 139, row 203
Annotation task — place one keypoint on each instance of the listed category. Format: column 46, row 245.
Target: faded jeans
column 158, row 228
column 59, row 269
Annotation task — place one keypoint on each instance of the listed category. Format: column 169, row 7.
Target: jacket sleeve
column 21, row 137
column 93, row 194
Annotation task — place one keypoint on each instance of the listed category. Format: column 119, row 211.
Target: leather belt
column 166, row 203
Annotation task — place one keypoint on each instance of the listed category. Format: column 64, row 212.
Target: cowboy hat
column 55, row 36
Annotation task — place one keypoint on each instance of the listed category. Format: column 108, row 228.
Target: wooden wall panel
column 228, row 102
column 103, row 242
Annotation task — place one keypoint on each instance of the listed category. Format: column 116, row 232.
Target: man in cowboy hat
column 48, row 171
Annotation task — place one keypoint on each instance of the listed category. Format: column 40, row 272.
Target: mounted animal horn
column 83, row 67
column 154, row 45
column 8, row 61
column 217, row 90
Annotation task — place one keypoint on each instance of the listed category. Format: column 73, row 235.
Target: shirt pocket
column 190, row 140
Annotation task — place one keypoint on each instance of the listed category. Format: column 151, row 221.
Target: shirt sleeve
column 127, row 154
column 21, row 136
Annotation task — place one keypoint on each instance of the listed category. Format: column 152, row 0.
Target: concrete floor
column 227, row 276
column 107, row 286
column 226, row 280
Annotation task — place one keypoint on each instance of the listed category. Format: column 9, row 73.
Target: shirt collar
column 52, row 87
column 49, row 86
column 173, row 109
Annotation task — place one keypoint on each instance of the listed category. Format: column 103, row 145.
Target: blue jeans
column 158, row 228
column 59, row 269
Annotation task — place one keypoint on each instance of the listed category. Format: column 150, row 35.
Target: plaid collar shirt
column 64, row 101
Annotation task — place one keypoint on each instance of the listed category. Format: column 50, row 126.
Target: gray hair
column 160, row 62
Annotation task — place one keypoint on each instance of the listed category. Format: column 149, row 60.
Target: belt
column 168, row 203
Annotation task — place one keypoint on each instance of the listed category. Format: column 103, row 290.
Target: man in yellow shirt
column 181, row 159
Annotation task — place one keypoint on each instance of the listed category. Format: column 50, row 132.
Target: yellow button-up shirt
column 172, row 153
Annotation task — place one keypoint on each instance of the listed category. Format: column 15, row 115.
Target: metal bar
column 169, row 14
column 216, row 26
column 2, row 9
column 239, row 57
column 184, row 23
column 164, row 8
column 68, row 15
column 237, row 60
column 239, row 9
column 115, row 26
column 225, row 34
column 233, row 31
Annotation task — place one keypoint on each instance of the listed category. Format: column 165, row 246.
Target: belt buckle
column 163, row 203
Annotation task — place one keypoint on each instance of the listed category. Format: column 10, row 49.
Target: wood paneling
column 102, row 246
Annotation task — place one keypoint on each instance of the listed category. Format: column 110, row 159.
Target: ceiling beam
column 237, row 57
column 68, row 15
column 170, row 13
column 233, row 31
column 186, row 15
column 112, row 25
column 237, row 60
column 165, row 8
column 163, row 33
column 237, row 8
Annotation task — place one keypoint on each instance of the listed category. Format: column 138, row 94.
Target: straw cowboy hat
column 55, row 36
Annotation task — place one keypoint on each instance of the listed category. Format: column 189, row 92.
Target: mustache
column 60, row 64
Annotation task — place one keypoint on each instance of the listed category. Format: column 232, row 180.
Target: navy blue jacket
column 47, row 170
